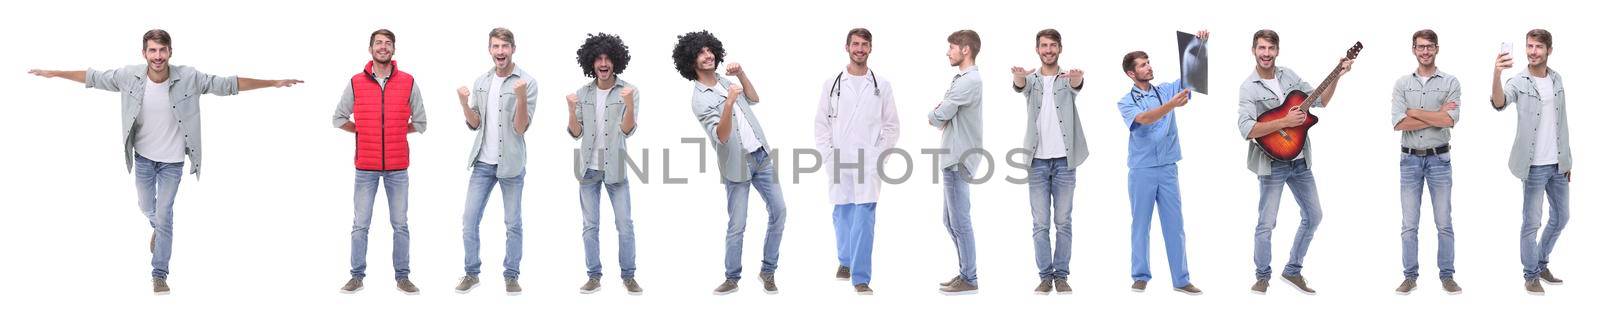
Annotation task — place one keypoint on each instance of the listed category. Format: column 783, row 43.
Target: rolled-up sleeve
column 636, row 101
column 216, row 85
column 1454, row 95
column 1247, row 112
column 1130, row 110
column 102, row 80
column 419, row 117
column 961, row 95
column 347, row 103
column 1397, row 104
column 709, row 113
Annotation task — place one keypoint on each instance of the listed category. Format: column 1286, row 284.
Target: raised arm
column 474, row 119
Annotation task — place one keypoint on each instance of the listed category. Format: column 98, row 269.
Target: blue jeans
column 478, row 186
column 1298, row 176
column 157, row 184
column 958, row 220
column 1050, row 180
column 853, row 229
column 396, row 186
column 764, row 179
column 1435, row 172
column 621, row 210
column 1150, row 188
column 1543, row 181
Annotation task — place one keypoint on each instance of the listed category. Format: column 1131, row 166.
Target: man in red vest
column 381, row 105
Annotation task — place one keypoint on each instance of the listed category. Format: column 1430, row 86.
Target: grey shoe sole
column 1297, row 287
column 967, row 292
column 1180, row 290
column 589, row 291
column 468, row 290
column 770, row 292
column 402, row 291
column 635, row 293
column 866, row 293
column 163, row 293
column 730, row 291
column 345, row 291
column 1453, row 293
column 513, row 293
column 1064, row 292
column 1548, row 282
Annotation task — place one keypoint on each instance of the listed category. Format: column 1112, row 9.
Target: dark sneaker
column 632, row 286
column 1044, row 288
column 1533, row 287
column 727, row 287
column 769, row 284
column 1189, row 290
column 1299, row 283
column 405, row 286
column 352, row 286
column 512, row 288
column 1406, row 287
column 1138, row 286
column 1062, row 287
column 1547, row 277
column 160, row 285
column 842, row 274
column 468, row 282
column 590, row 287
column 1451, row 287
column 959, row 287
column 1260, row 288
column 952, row 281
column 862, row 289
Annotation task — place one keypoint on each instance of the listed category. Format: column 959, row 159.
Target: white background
column 264, row 235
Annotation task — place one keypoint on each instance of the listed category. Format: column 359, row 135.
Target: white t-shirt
column 158, row 137
column 1544, row 136
column 1051, row 144
column 747, row 134
column 490, row 154
column 598, row 118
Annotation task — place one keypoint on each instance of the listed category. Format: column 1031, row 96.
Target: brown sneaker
column 1299, row 283
column 1547, row 277
column 590, row 287
column 160, row 285
column 468, row 282
column 727, row 287
column 862, row 289
column 1260, row 288
column 959, row 287
column 405, row 286
column 1406, row 287
column 1044, row 288
column 632, row 286
column 352, row 286
column 512, row 288
column 1138, row 286
column 1450, row 286
column 1533, row 287
column 842, row 274
column 1062, row 287
column 952, row 281
column 769, row 283
column 1189, row 290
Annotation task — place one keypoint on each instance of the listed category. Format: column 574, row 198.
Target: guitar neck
column 1322, row 87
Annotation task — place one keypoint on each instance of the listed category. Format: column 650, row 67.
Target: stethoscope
column 835, row 93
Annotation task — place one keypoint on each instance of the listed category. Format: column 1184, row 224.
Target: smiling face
column 859, row 49
column 382, row 49
column 1049, row 50
column 1266, row 54
column 1425, row 50
column 602, row 68
column 706, row 61
column 1538, row 52
column 501, row 51
column 156, row 56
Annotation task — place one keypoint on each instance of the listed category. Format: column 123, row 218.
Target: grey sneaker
column 959, row 287
column 769, row 283
column 405, row 286
column 1062, row 287
column 1260, row 288
column 1406, row 287
column 1450, row 286
column 1189, row 290
column 632, row 286
column 468, row 282
column 1138, row 286
column 1547, row 277
column 352, row 286
column 1299, row 283
column 590, row 287
column 842, row 274
column 952, row 281
column 512, row 288
column 1044, row 288
column 727, row 287
column 1533, row 287
column 862, row 289
column 160, row 285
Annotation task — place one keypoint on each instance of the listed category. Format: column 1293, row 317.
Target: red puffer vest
column 382, row 118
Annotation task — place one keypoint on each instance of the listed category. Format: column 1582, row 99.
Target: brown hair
column 503, row 34
column 157, row 35
column 1051, row 33
column 858, row 32
column 1425, row 34
column 966, row 38
column 375, row 34
column 1268, row 34
column 1127, row 60
column 1542, row 36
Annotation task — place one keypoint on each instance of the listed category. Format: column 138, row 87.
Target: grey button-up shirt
column 1411, row 93
column 186, row 85
column 611, row 126
column 706, row 104
column 1066, row 110
column 1254, row 99
column 347, row 106
column 1521, row 90
column 513, row 150
column 961, row 117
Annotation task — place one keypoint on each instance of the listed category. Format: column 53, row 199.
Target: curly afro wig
column 688, row 48
column 603, row 44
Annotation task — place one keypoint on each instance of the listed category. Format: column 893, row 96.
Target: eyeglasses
column 1425, row 47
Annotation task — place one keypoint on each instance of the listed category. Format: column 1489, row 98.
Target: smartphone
column 1505, row 48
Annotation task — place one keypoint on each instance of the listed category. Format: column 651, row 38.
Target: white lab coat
column 860, row 127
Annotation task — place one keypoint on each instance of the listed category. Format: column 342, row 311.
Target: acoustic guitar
column 1287, row 143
